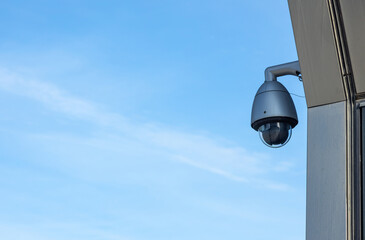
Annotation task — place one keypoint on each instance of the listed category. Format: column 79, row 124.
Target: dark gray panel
column 326, row 172
column 317, row 53
column 353, row 13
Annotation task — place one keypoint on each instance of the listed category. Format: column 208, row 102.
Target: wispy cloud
column 196, row 150
column 211, row 169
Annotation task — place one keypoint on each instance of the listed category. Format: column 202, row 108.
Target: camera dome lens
column 275, row 134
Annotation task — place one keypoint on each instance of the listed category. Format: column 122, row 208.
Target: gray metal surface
column 362, row 135
column 273, row 103
column 291, row 68
column 326, row 173
column 353, row 14
column 317, row 52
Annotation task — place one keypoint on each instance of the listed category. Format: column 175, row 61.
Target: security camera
column 273, row 111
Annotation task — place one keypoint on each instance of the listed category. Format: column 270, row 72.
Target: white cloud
column 196, row 150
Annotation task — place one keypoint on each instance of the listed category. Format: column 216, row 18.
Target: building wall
column 330, row 40
column 326, row 172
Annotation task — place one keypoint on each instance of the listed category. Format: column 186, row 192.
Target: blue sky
column 130, row 120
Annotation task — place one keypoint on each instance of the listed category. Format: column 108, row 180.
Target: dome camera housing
column 273, row 114
column 273, row 111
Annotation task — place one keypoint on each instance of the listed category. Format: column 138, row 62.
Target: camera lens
column 275, row 134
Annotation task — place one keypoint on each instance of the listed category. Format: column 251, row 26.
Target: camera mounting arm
column 291, row 68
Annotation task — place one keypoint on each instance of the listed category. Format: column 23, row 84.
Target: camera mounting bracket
column 291, row 68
